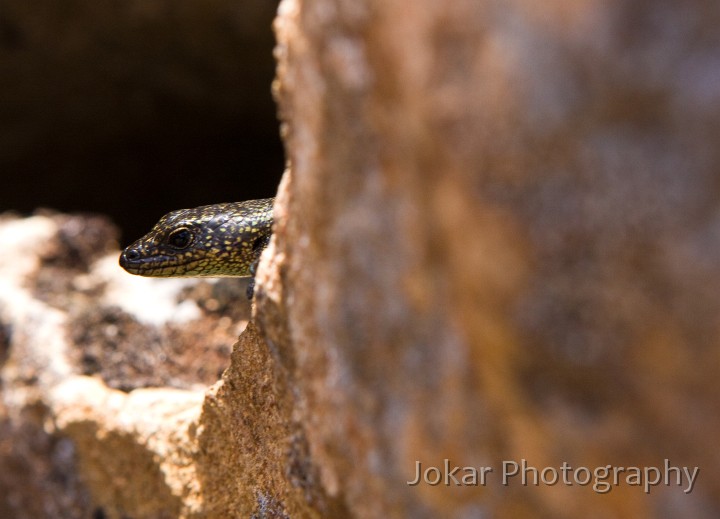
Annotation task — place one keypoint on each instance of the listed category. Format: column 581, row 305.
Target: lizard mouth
column 133, row 261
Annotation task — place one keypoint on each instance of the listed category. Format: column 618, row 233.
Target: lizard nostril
column 132, row 254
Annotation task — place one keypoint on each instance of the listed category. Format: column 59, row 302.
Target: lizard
column 219, row 240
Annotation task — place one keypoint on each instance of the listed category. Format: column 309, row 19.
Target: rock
column 499, row 241
column 104, row 368
column 135, row 449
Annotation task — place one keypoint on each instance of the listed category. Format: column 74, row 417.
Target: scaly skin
column 221, row 240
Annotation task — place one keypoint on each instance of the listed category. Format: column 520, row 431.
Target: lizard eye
column 180, row 238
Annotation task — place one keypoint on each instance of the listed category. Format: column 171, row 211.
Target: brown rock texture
column 103, row 375
column 497, row 240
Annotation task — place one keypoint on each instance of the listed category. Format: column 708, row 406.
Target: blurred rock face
column 511, row 246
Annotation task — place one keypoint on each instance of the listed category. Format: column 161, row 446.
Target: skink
column 220, row 240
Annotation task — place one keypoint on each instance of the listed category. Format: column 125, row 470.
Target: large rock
column 500, row 241
column 103, row 374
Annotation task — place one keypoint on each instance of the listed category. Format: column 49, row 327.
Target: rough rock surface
column 103, row 374
column 498, row 240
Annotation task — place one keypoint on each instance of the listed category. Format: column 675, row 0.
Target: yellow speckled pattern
column 217, row 240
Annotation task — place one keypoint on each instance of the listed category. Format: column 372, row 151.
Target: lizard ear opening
column 259, row 243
